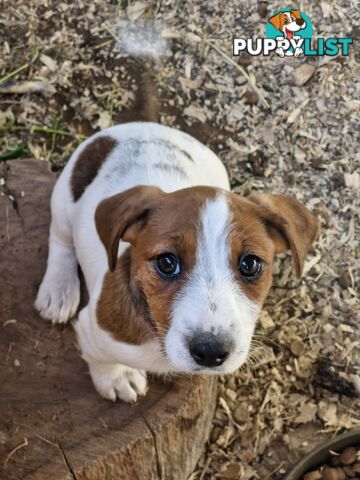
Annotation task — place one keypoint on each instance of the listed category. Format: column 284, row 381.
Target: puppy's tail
column 147, row 102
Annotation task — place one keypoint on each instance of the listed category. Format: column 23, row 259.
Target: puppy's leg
column 116, row 380
column 59, row 292
column 111, row 378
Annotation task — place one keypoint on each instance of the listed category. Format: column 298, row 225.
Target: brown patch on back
column 89, row 162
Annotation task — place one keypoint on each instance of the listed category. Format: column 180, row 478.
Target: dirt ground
column 68, row 69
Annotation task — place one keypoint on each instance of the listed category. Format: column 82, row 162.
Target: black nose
column 209, row 350
column 300, row 21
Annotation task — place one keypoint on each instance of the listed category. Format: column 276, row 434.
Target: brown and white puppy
column 177, row 267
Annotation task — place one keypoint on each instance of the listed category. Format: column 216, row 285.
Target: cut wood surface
column 53, row 424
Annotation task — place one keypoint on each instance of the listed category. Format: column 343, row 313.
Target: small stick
column 114, row 36
column 47, row 441
column 22, row 445
column 17, row 70
column 274, row 471
column 207, row 465
column 14, row 73
column 242, row 70
column 39, row 128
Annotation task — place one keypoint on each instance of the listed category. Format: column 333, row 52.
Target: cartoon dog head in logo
column 288, row 22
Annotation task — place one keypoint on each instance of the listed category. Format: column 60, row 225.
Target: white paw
column 118, row 381
column 298, row 52
column 280, row 52
column 58, row 297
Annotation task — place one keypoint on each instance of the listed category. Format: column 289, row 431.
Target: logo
column 289, row 34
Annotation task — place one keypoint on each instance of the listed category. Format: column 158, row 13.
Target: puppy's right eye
column 167, row 265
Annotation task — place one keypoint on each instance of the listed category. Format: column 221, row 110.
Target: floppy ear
column 276, row 20
column 290, row 225
column 122, row 216
column 296, row 13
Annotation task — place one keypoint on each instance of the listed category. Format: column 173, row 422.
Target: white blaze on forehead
column 212, row 300
column 213, row 249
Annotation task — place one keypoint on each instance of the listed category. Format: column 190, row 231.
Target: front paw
column 298, row 52
column 280, row 52
column 59, row 296
column 118, row 381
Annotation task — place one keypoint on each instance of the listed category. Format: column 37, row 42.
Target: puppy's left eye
column 250, row 266
column 168, row 265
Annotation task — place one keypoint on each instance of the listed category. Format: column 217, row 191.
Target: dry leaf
column 104, row 120
column 328, row 414
column 352, row 180
column 136, row 10
column 308, row 412
column 49, row 62
column 303, row 74
column 294, row 115
column 195, row 112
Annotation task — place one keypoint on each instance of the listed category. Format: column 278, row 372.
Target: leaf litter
column 286, row 126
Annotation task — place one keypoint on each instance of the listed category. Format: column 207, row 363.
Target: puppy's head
column 288, row 22
column 202, row 259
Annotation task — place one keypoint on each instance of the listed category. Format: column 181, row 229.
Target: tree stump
column 53, row 424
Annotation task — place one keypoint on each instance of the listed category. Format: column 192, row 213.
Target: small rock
column 241, row 414
column 338, row 179
column 232, row 470
column 317, row 163
column 303, row 74
column 245, row 60
column 262, row 9
column 297, row 348
column 345, row 280
column 356, row 467
column 330, row 474
column 314, row 475
column 215, row 433
column 251, row 97
column 349, row 471
column 348, row 456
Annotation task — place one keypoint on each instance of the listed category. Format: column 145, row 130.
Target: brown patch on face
column 264, row 225
column 249, row 236
column 122, row 310
column 169, row 226
column 88, row 164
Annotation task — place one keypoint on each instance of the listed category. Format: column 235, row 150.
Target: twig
column 242, row 70
column 52, row 131
column 22, row 445
column 274, row 471
column 207, row 465
column 115, row 37
column 47, row 441
column 14, row 73
column 18, row 70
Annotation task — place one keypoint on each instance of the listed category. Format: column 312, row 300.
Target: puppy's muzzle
column 209, row 350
